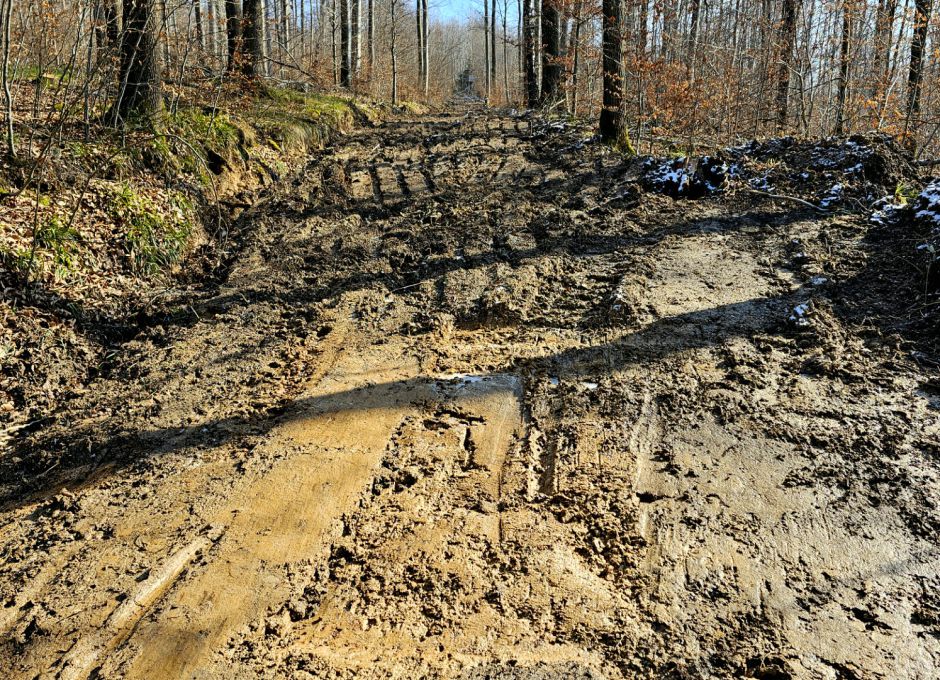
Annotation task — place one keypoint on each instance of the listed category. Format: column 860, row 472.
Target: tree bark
column 355, row 34
column 394, row 51
column 612, row 127
column 371, row 36
column 233, row 32
column 419, row 31
column 253, row 41
column 141, row 72
column 345, row 64
column 916, row 69
column 693, row 35
column 427, row 46
column 845, row 43
column 492, row 43
column 530, row 70
column 788, row 39
column 486, row 49
column 576, row 56
column 200, row 34
column 552, row 69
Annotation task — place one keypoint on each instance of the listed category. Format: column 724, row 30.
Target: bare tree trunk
column 200, row 34
column 111, row 23
column 612, row 128
column 345, row 63
column 693, row 36
column 419, row 29
column 884, row 31
column 233, row 32
column 492, row 30
column 141, row 73
column 916, row 69
column 486, row 49
column 355, row 34
column 505, row 54
column 253, row 41
column 394, row 52
column 576, row 56
column 788, row 39
column 551, row 53
column 427, row 46
column 371, row 36
column 336, row 68
column 528, row 50
column 210, row 28
column 843, row 67
column 286, row 19
column 7, row 95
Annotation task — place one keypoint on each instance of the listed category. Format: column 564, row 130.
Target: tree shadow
column 655, row 341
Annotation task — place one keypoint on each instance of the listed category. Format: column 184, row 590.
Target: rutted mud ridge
column 473, row 404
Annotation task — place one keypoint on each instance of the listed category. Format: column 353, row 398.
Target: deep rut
column 471, row 404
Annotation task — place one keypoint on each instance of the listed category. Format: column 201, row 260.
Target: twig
column 788, row 198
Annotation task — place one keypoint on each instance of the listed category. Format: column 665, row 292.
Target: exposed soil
column 473, row 403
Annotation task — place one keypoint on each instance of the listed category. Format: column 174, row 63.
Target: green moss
column 153, row 241
column 207, row 127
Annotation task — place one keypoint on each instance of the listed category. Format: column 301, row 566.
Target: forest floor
column 471, row 402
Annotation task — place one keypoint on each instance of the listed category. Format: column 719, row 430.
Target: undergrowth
column 154, row 241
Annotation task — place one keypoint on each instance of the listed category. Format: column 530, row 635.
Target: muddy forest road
column 471, row 404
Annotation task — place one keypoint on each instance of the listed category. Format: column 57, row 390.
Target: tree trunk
column 345, row 64
column 486, row 49
column 200, row 34
column 210, row 32
column 394, row 51
column 419, row 31
column 884, row 30
column 612, row 128
column 112, row 22
column 492, row 44
column 355, row 34
column 530, row 70
column 552, row 69
column 788, row 39
column 427, row 46
column 693, row 36
column 916, row 69
column 7, row 94
column 843, row 67
column 333, row 42
column 576, row 56
column 141, row 73
column 371, row 36
column 233, row 32
column 285, row 26
column 505, row 54
column 253, row 41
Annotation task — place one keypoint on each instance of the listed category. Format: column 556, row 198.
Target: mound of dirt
column 832, row 174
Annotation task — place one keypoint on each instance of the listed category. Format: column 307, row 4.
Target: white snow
column 834, row 196
column 799, row 314
column 818, row 280
column 928, row 203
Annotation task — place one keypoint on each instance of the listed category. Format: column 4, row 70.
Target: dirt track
column 471, row 404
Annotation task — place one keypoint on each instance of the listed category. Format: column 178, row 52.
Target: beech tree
column 612, row 128
column 139, row 94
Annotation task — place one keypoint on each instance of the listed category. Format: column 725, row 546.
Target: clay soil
column 469, row 402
